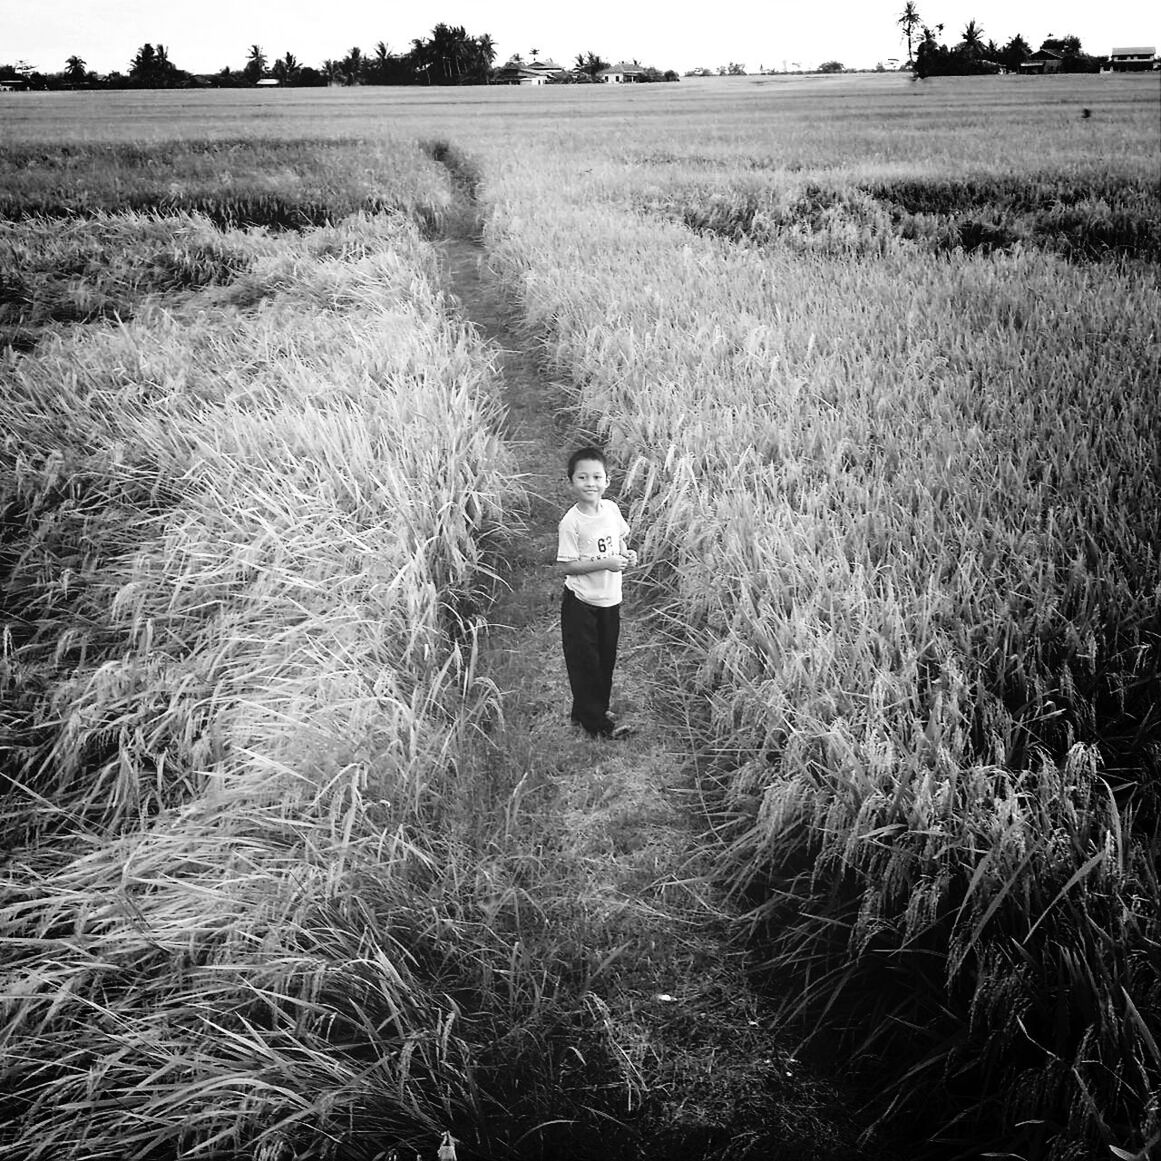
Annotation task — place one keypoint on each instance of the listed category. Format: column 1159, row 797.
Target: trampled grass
column 100, row 267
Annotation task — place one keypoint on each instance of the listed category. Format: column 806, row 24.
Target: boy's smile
column 588, row 483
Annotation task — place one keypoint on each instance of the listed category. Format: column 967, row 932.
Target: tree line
column 930, row 57
column 449, row 56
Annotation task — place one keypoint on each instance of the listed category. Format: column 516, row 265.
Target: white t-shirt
column 582, row 537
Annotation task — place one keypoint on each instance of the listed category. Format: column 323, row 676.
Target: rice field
column 878, row 365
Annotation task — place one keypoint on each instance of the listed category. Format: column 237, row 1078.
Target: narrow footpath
column 712, row 1079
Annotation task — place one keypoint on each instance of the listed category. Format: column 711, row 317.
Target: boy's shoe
column 621, row 731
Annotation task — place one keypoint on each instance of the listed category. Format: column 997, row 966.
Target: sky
column 206, row 35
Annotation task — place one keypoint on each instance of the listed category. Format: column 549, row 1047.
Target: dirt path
column 621, row 800
column 710, row 1075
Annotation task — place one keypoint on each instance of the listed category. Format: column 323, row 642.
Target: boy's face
column 589, row 481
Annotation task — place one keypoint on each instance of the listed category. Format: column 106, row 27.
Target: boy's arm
column 577, row 567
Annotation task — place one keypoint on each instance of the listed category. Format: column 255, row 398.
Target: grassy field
column 878, row 362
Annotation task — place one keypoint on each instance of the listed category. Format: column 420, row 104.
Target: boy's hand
column 631, row 557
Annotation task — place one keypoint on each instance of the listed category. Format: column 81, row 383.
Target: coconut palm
column 287, row 69
column 255, row 68
column 76, row 69
column 590, row 63
column 151, row 67
column 352, row 66
column 973, row 38
column 910, row 20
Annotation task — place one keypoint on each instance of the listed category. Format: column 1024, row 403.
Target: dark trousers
column 589, row 635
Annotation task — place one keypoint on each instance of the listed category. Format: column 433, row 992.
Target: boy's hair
column 586, row 453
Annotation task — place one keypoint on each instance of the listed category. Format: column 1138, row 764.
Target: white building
column 1131, row 60
column 621, row 74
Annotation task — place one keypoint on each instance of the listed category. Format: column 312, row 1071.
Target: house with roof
column 1044, row 60
column 547, row 68
column 537, row 72
column 621, row 74
column 1139, row 59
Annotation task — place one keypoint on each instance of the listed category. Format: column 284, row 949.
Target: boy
column 592, row 550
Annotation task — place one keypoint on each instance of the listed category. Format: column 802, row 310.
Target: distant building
column 1044, row 60
column 268, row 83
column 538, row 72
column 546, row 68
column 621, row 74
column 1131, row 60
column 13, row 85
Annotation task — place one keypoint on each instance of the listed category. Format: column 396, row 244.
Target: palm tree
column 973, row 38
column 1015, row 52
column 75, row 68
column 352, row 66
column 287, row 69
column 590, row 63
column 446, row 42
column 255, row 64
column 910, row 20
column 151, row 67
column 930, row 52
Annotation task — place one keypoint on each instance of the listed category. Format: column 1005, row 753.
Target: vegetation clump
column 100, row 267
column 1083, row 220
